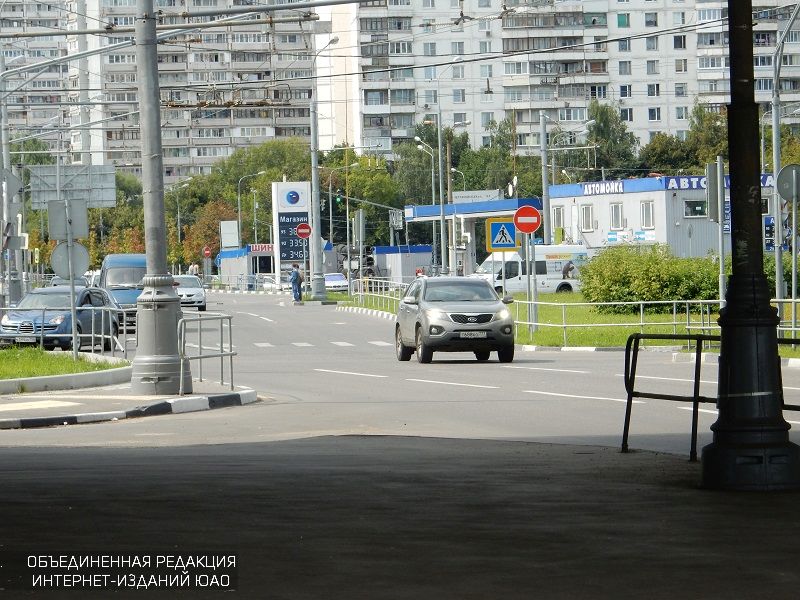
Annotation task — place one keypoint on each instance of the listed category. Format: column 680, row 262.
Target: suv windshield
column 125, row 276
column 437, row 291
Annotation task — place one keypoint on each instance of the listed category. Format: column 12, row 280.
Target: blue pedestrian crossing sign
column 501, row 234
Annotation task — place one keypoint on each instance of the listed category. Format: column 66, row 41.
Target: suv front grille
column 470, row 319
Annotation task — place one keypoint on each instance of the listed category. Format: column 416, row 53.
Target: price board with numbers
column 292, row 247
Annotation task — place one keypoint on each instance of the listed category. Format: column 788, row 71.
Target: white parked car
column 190, row 290
column 335, row 282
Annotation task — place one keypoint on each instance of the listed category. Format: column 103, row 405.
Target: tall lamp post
column 318, row 291
column 239, row 201
column 429, row 151
column 463, row 177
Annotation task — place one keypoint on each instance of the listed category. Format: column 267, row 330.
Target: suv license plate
column 25, row 340
column 472, row 334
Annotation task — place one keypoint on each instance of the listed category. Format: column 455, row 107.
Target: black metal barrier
column 631, row 356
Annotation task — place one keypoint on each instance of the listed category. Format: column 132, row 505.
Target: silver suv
column 453, row 314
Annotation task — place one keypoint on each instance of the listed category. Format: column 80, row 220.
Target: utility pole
column 751, row 448
column 156, row 368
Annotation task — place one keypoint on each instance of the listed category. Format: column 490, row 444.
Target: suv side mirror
column 508, row 299
column 409, row 300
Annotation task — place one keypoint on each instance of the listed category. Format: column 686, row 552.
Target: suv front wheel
column 403, row 352
column 424, row 352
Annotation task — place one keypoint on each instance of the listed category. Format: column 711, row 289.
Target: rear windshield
column 440, row 291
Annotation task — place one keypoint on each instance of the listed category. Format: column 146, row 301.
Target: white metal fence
column 213, row 347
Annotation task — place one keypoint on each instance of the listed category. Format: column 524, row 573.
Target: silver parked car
column 190, row 290
column 453, row 314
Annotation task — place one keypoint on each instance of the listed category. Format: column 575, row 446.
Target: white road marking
column 340, row 323
column 266, row 319
column 703, row 410
column 381, row 343
column 34, row 405
column 263, row 345
column 488, row 387
column 546, row 369
column 215, row 348
column 666, row 378
column 302, row 344
column 350, row 373
column 543, row 393
column 343, row 344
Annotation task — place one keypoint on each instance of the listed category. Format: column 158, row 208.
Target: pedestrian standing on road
column 295, row 279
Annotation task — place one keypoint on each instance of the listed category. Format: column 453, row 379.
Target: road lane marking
column 343, row 344
column 381, row 343
column 302, row 344
column 339, row 323
column 703, row 410
column 546, row 369
column 488, row 387
column 667, row 378
column 35, row 405
column 350, row 373
column 216, row 348
column 263, row 345
column 266, row 319
column 543, row 393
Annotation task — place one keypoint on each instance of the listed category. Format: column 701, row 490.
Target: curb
column 172, row 406
column 70, row 381
column 372, row 312
column 251, row 292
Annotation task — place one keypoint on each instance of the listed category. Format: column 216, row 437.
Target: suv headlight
column 437, row 315
column 5, row 320
column 57, row 320
column 503, row 314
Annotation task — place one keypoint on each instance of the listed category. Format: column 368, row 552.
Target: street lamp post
column 429, row 151
column 463, row 178
column 317, row 277
column 239, row 201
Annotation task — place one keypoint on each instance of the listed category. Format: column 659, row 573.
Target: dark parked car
column 453, row 314
column 44, row 315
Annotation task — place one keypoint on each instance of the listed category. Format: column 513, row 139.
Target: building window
column 597, row 91
column 429, row 73
column 587, row 217
column 647, row 214
column 653, row 89
column 486, row 119
column 428, row 4
column 654, row 114
column 681, row 113
column 486, row 71
column 625, row 91
column 626, row 114
column 459, row 96
column 679, row 42
column 679, row 18
column 624, row 45
column 558, row 217
column 457, row 48
column 617, row 221
column 624, row 20
column 459, row 117
column 681, row 65
column 624, row 67
column 485, row 47
column 695, row 208
column 458, row 72
column 681, row 90
column 651, row 19
column 486, row 141
column 651, row 43
column 429, row 48
column 652, row 67
column 431, row 97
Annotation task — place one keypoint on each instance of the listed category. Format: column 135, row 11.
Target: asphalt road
column 328, row 372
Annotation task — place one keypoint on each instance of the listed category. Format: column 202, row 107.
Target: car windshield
column 335, row 277
column 44, row 301
column 187, row 281
column 125, row 276
column 441, row 291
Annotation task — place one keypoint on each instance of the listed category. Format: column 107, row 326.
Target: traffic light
column 339, row 196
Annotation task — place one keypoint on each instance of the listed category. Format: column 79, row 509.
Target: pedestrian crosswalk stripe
column 380, row 343
column 302, row 344
column 341, row 343
column 264, row 345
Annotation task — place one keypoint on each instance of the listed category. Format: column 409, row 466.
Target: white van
column 557, row 268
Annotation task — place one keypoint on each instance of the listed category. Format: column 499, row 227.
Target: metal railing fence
column 225, row 325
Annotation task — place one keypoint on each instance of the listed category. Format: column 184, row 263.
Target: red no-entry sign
column 207, row 252
column 527, row 219
column 303, row 230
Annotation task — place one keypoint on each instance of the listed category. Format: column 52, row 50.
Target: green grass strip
column 18, row 362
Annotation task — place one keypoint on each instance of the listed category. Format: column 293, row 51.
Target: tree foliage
column 616, row 146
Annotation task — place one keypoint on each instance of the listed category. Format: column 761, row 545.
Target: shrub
column 647, row 274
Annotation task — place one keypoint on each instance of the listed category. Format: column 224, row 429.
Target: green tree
column 616, row 146
column 708, row 136
column 666, row 154
column 205, row 229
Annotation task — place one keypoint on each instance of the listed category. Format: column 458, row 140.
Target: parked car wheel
column 482, row 355
column 424, row 353
column 506, row 355
column 79, row 338
column 403, row 352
